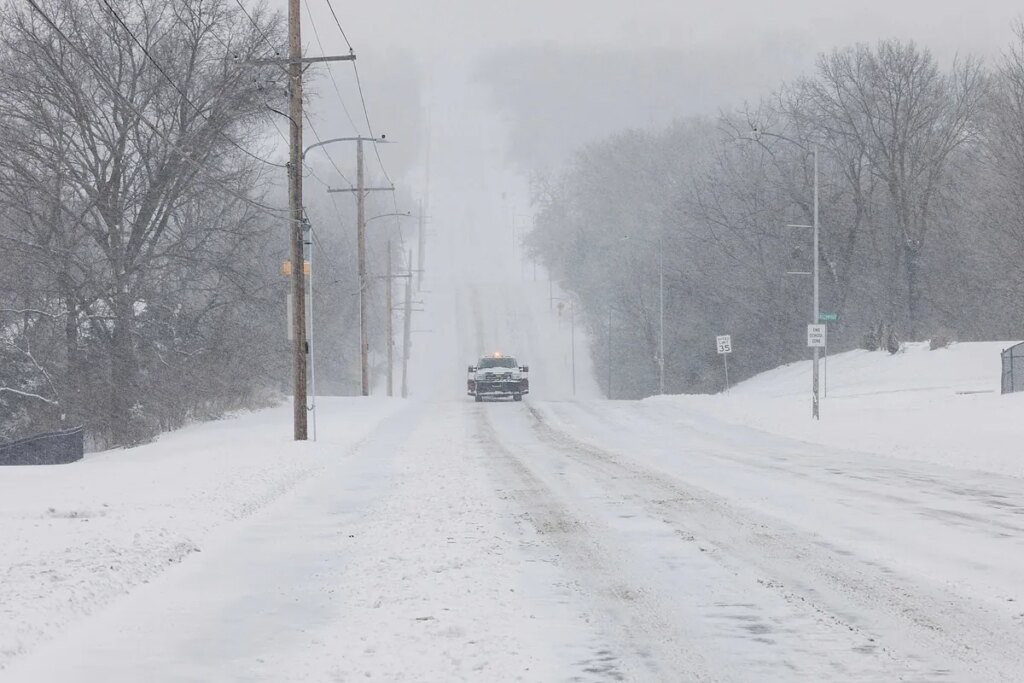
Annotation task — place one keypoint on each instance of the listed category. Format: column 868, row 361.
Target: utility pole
column 299, row 343
column 814, row 380
column 390, row 331
column 407, row 330
column 297, row 224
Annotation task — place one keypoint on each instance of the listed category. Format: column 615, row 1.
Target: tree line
column 141, row 222
column 921, row 174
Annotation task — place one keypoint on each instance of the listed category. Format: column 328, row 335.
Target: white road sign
column 817, row 336
column 724, row 343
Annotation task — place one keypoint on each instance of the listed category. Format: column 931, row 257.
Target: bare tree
column 894, row 106
column 133, row 129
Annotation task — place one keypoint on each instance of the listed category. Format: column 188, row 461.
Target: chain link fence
column 56, row 448
column 1013, row 369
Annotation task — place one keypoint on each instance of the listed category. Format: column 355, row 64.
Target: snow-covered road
column 583, row 541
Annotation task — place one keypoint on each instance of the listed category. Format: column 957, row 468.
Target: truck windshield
column 497, row 363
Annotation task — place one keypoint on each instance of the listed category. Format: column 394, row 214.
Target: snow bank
column 939, row 406
column 73, row 537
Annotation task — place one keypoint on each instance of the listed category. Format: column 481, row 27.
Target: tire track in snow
column 913, row 629
column 650, row 646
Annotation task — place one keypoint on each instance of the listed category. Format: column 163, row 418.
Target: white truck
column 498, row 376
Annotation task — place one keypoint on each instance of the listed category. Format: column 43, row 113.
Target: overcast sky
column 470, row 27
column 509, row 84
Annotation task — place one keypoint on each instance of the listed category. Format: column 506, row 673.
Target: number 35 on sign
column 724, row 343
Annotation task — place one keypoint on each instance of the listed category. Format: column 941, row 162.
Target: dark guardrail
column 56, row 448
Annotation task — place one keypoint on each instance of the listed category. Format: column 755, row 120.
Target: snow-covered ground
column 940, row 406
column 74, row 538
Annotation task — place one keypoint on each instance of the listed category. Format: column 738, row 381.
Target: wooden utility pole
column 390, row 328
column 407, row 330
column 297, row 236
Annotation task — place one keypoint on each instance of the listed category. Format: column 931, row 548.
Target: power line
column 181, row 92
column 333, row 14
column 362, row 96
column 102, row 77
column 263, row 34
column 369, row 127
column 330, row 73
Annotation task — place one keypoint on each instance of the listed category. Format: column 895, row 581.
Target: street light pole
column 361, row 190
column 815, row 403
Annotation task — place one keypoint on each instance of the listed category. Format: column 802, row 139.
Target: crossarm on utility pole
column 304, row 60
column 365, row 189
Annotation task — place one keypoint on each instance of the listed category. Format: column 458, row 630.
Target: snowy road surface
column 583, row 541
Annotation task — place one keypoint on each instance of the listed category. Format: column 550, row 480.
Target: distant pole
column 364, row 337
column 299, row 345
column 661, row 313
column 572, row 337
column 407, row 331
column 609, row 353
column 814, row 380
column 390, row 333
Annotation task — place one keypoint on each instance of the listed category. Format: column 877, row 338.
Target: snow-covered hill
column 939, row 406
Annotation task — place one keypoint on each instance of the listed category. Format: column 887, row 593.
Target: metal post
column 299, row 346
column 725, row 359
column 364, row 337
column 312, row 347
column 390, row 331
column 814, row 380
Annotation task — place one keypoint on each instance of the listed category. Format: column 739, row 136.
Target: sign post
column 724, row 343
